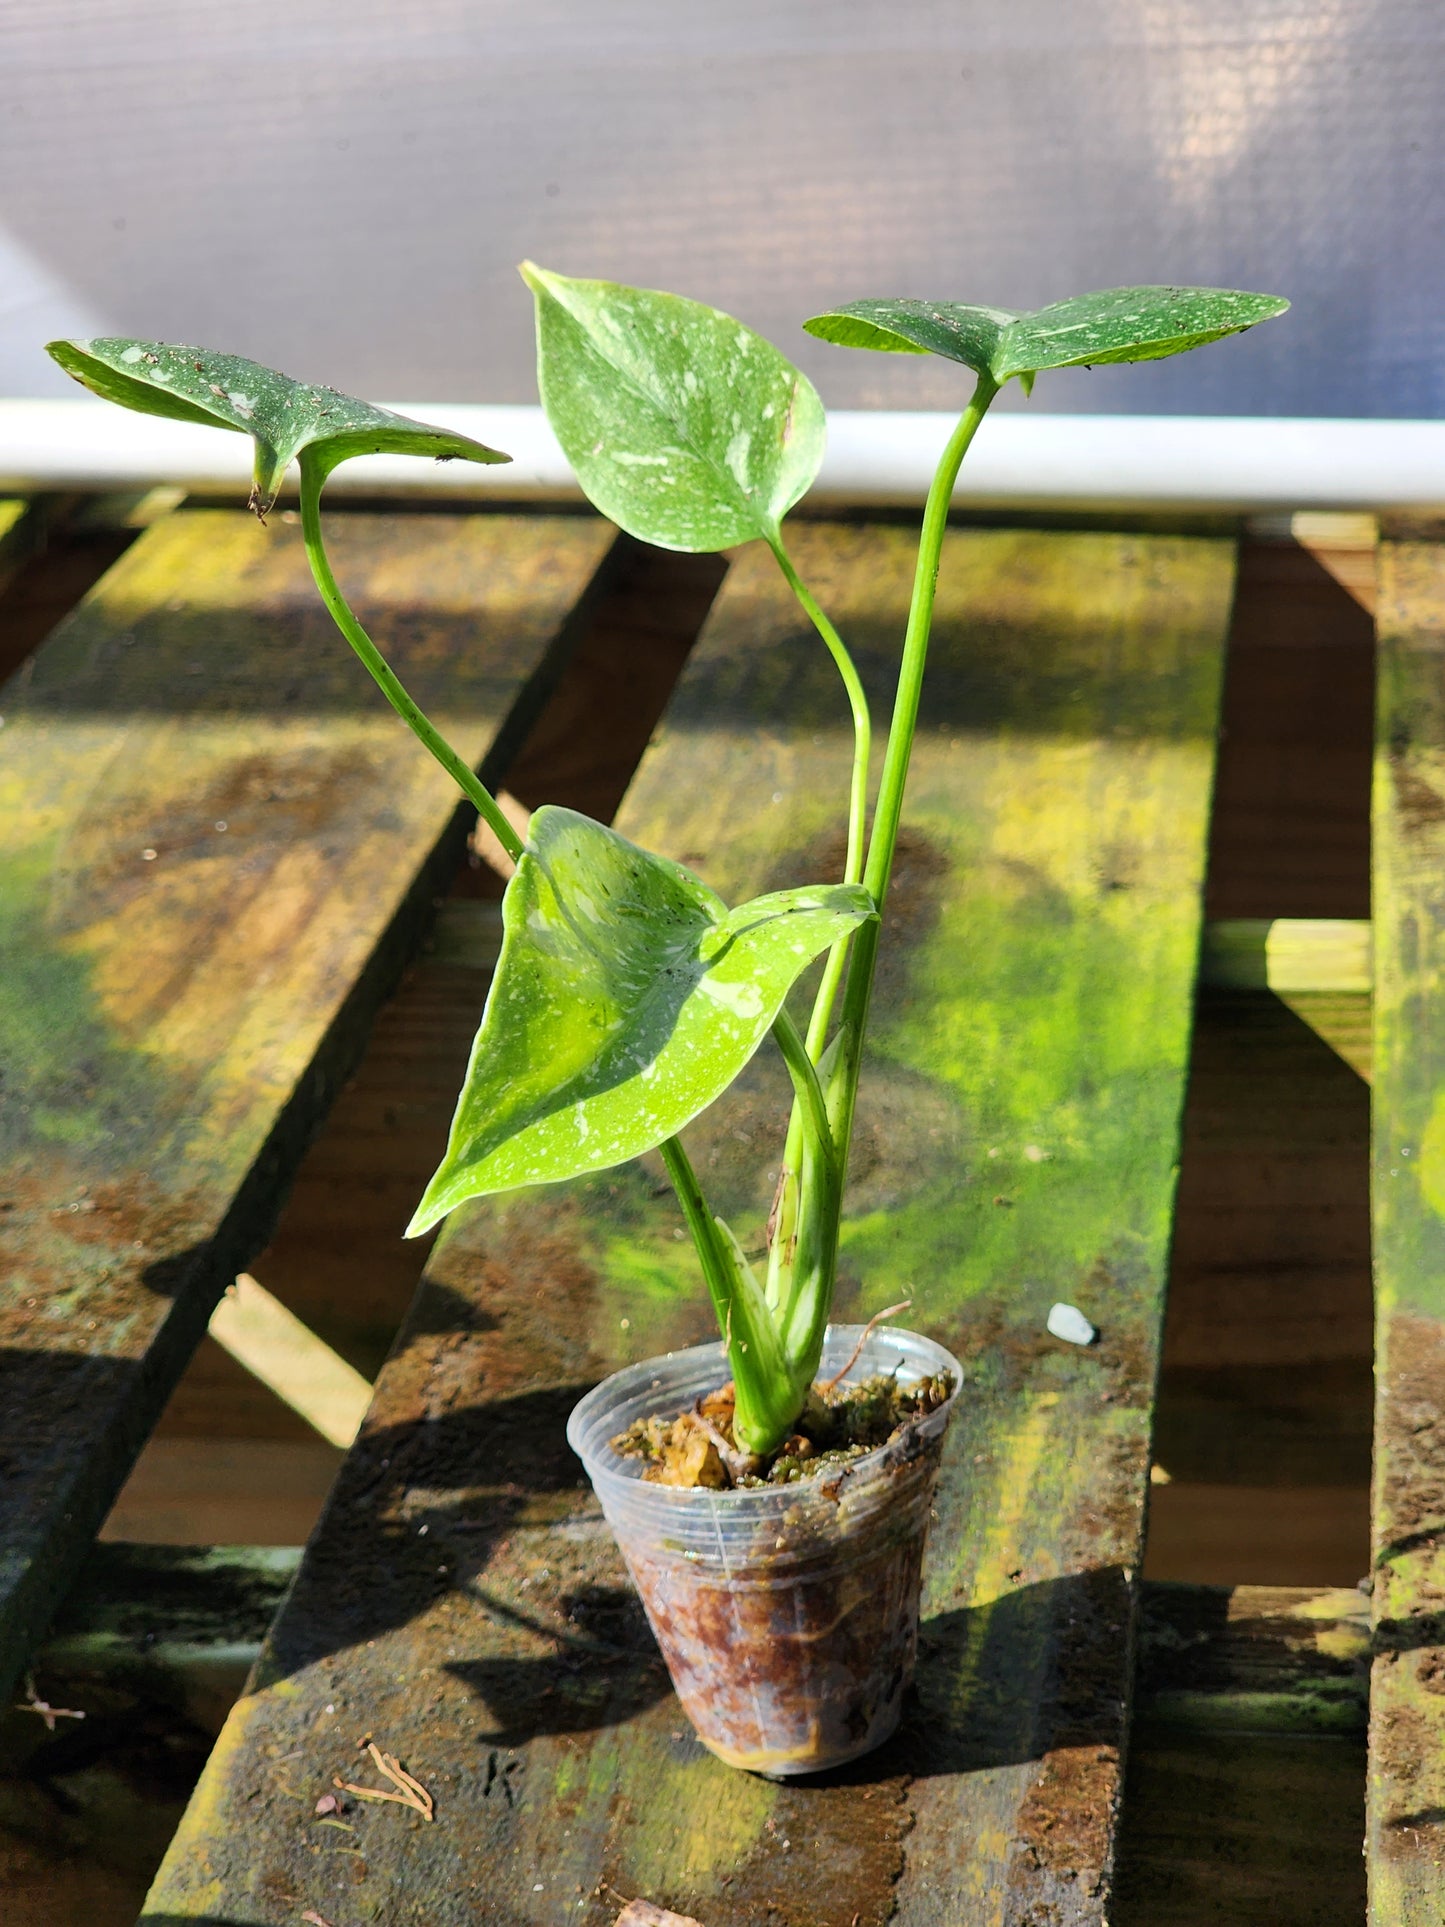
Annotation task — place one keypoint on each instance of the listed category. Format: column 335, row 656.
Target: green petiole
column 313, row 475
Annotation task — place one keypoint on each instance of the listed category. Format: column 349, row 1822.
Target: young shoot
column 628, row 996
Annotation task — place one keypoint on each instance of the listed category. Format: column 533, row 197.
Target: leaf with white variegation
column 627, row 998
column 1116, row 324
column 282, row 417
column 684, row 427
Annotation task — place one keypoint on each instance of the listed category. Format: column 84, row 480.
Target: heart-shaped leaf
column 1119, row 324
column 627, row 997
column 282, row 416
column 684, row 427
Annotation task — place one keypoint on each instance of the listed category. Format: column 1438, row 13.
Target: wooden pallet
column 1242, row 1800
column 217, row 857
column 459, row 1598
column 1047, row 915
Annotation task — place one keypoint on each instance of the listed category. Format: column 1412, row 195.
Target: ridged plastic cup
column 788, row 1615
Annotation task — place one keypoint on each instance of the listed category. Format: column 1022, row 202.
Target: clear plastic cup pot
column 787, row 1614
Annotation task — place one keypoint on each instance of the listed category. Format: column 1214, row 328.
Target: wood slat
column 219, row 846
column 461, row 1599
column 1243, row 1802
column 152, row 1645
column 1406, row 1803
column 1246, row 1764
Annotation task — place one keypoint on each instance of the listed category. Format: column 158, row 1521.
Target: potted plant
column 771, row 1491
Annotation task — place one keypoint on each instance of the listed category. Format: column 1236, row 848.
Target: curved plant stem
column 857, row 703
column 842, row 1089
column 915, row 646
column 700, row 1224
column 768, row 1400
column 805, row 1081
column 466, row 779
column 837, row 959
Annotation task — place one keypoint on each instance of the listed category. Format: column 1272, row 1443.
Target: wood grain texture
column 152, row 1645
column 461, row 1597
column 219, row 846
column 1265, row 1391
column 1244, row 1797
column 1245, row 1777
column 1406, row 1803
column 1290, row 829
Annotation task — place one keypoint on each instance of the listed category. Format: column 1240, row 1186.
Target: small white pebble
column 147, row 856
column 1034, row 1154
column 536, row 1886
column 1069, row 1323
column 422, row 1531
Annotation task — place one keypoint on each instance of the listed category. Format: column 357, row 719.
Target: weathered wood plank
column 13, row 510
column 1246, row 1764
column 1265, row 1390
column 461, row 1598
column 152, row 1646
column 219, row 845
column 1406, row 1805
column 1244, row 1798
column 1290, row 829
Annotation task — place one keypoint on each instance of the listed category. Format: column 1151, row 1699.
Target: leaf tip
column 67, row 353
column 427, row 1214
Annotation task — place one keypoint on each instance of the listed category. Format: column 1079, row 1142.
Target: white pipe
column 1024, row 461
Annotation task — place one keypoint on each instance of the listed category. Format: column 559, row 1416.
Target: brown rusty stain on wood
column 462, row 1594
column 219, row 844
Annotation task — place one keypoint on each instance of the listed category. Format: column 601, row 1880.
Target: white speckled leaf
column 280, row 415
column 1117, row 324
column 684, row 427
column 1127, row 324
column 948, row 328
column 627, row 998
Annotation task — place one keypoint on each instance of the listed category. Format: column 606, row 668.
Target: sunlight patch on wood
column 287, row 1356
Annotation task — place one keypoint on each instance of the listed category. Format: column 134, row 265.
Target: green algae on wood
column 1406, row 1793
column 1017, row 1144
column 217, row 849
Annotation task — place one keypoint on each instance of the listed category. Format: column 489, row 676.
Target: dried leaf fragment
column 411, row 1792
column 642, row 1913
column 32, row 1703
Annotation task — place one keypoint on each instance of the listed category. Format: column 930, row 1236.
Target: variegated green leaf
column 684, row 427
column 627, row 998
column 1118, row 324
column 281, row 416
